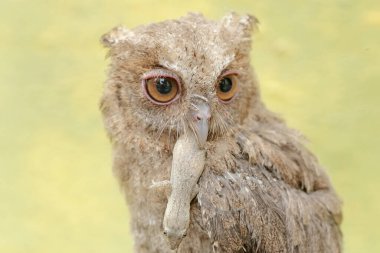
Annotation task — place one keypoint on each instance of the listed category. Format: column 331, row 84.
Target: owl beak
column 201, row 118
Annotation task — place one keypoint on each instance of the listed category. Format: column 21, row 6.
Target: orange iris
column 227, row 87
column 162, row 89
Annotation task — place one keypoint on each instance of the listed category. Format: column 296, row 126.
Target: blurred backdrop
column 318, row 62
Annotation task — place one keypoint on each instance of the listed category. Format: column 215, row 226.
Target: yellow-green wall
column 318, row 62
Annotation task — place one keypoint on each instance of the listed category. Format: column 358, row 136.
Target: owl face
column 188, row 74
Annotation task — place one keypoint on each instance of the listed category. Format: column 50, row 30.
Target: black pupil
column 225, row 84
column 163, row 85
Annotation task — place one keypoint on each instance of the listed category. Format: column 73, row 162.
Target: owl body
column 260, row 189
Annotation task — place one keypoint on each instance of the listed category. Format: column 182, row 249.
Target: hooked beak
column 201, row 118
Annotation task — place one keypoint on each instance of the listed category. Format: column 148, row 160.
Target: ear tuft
column 244, row 25
column 249, row 23
column 117, row 35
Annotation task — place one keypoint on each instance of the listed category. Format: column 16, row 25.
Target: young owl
column 204, row 165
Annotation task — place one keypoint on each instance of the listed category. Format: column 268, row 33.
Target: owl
column 204, row 165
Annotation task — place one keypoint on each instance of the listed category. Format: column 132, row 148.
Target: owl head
column 179, row 75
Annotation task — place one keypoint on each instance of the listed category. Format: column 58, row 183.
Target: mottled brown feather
column 261, row 189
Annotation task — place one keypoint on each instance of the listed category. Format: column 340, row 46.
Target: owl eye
column 161, row 89
column 227, row 87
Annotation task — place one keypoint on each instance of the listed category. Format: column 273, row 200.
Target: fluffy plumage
column 260, row 190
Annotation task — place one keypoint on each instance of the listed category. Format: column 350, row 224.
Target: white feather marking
column 200, row 97
column 233, row 179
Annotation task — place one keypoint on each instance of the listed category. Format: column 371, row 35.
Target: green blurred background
column 318, row 62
